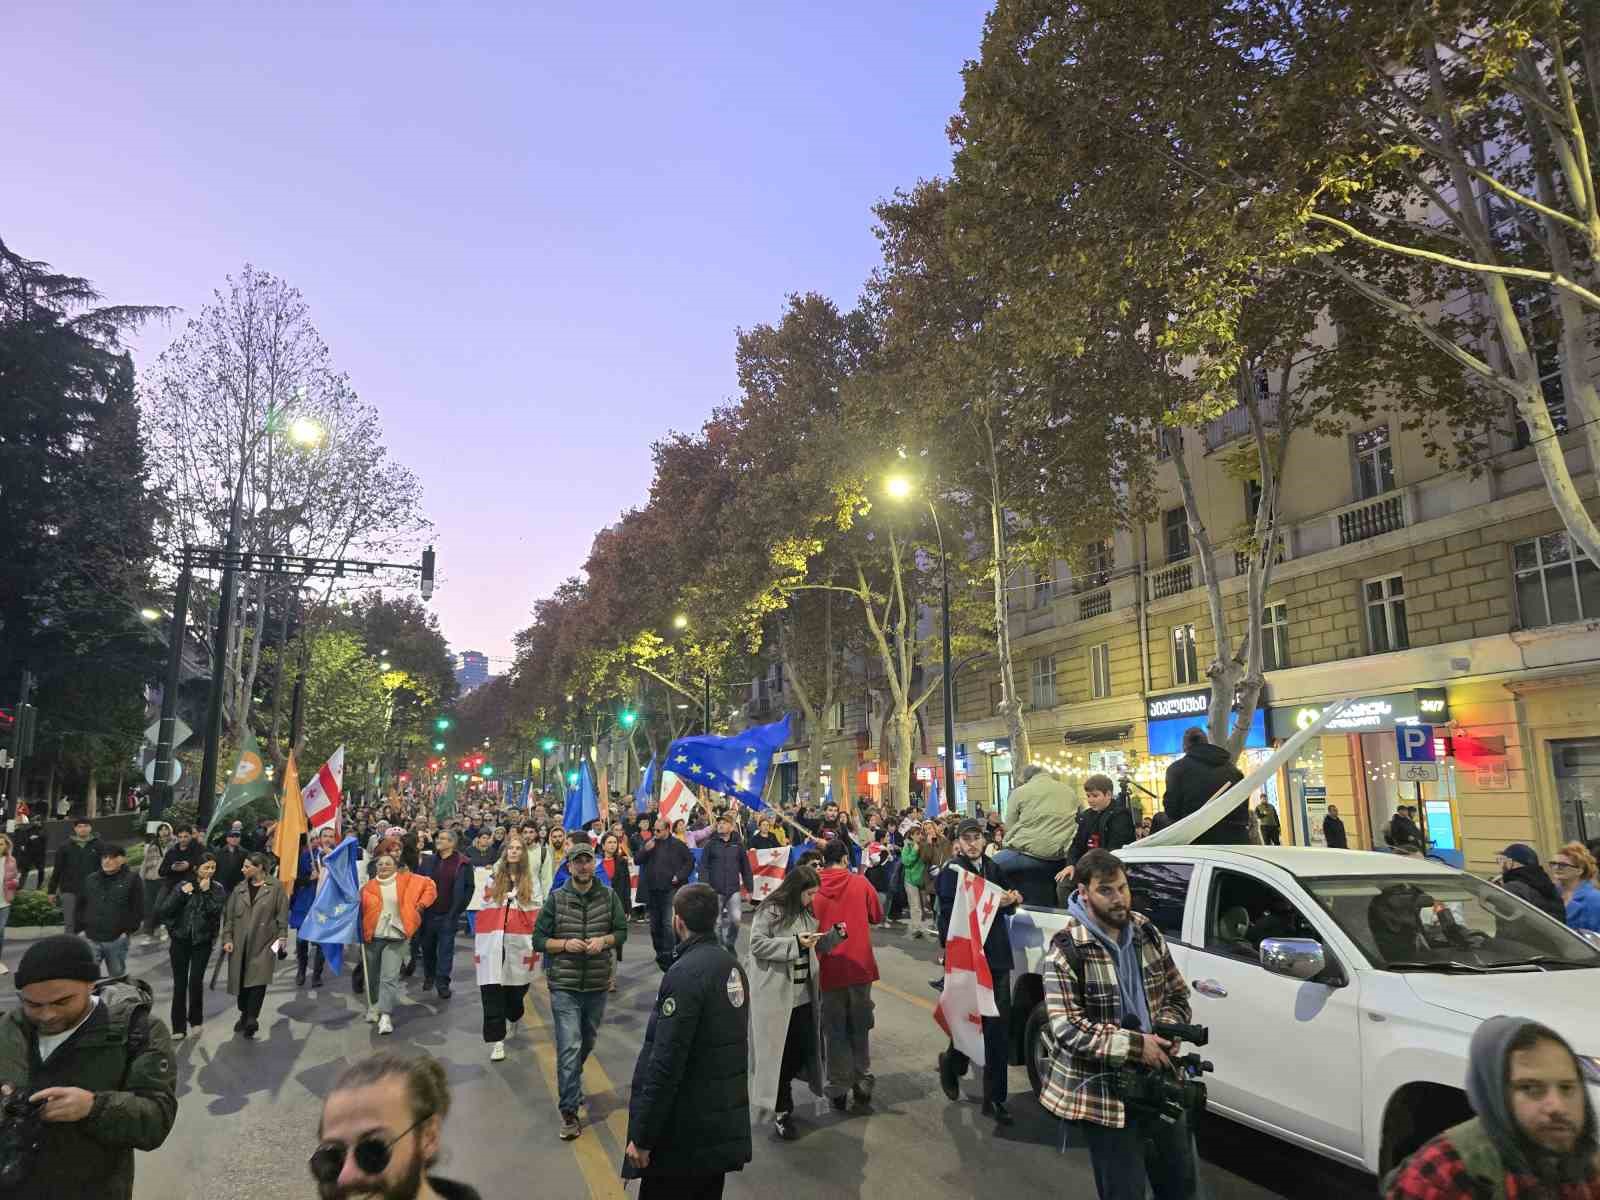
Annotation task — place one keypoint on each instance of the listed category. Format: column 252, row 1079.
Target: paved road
column 248, row 1110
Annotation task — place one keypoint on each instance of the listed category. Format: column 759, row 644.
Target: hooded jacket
column 848, row 898
column 1489, row 1156
column 1534, row 886
column 1194, row 779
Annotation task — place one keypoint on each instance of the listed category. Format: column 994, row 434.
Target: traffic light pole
column 161, row 792
column 219, row 664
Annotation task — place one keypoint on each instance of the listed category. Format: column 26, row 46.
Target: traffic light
column 572, row 779
column 627, row 717
column 442, row 724
column 488, row 771
column 548, row 744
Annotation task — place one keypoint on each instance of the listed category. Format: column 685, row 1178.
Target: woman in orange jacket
column 391, row 912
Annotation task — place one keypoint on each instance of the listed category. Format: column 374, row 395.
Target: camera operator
column 93, row 1065
column 1109, row 981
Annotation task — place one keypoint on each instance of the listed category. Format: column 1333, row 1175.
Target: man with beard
column 1108, row 980
column 1534, row 1133
column 381, row 1130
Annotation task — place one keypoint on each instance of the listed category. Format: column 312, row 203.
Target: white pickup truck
column 1341, row 987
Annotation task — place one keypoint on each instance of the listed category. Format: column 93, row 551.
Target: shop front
column 1168, row 715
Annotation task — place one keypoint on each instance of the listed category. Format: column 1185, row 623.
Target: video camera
column 21, row 1139
column 1158, row 1094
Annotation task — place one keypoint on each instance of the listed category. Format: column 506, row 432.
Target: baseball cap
column 579, row 847
column 1519, row 853
column 969, row 825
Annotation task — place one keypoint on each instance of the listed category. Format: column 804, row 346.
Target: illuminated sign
column 1166, row 718
column 1422, row 706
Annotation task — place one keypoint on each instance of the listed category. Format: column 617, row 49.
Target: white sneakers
column 385, row 1025
column 4, row 970
column 372, row 1016
column 497, row 1052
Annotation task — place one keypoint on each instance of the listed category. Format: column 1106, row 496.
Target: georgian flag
column 968, row 994
column 633, row 884
column 323, row 795
column 767, row 869
column 677, row 801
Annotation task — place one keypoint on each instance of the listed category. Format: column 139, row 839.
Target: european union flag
column 735, row 766
column 933, row 800
column 647, row 785
column 582, row 806
column 334, row 919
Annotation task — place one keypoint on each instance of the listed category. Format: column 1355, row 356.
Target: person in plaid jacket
column 1108, row 978
column 1534, row 1133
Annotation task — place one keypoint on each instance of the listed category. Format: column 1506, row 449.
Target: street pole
column 14, row 786
column 949, row 700
column 161, row 793
column 219, row 661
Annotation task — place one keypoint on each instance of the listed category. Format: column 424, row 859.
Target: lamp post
column 681, row 622
column 899, row 488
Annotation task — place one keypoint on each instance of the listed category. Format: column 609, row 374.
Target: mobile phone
column 839, row 928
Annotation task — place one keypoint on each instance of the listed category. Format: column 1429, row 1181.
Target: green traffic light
column 442, row 723
column 488, row 771
column 628, row 717
column 572, row 779
column 438, row 745
column 549, row 744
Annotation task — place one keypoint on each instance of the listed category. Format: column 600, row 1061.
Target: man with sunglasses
column 381, row 1130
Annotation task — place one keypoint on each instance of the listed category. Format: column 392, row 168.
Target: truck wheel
column 1038, row 1047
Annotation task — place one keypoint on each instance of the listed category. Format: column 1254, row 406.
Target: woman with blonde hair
column 392, row 903
column 10, row 881
column 1573, row 870
column 502, row 947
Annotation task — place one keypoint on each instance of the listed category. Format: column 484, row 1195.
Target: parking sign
column 1414, row 743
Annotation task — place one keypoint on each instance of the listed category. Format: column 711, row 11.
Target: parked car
column 1341, row 987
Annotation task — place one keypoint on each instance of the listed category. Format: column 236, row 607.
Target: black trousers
column 302, row 952
column 1146, row 1148
column 661, row 935
column 681, row 1187
column 189, row 962
column 1270, row 834
column 996, row 1043
column 797, row 1048
column 250, row 1001
column 502, row 1004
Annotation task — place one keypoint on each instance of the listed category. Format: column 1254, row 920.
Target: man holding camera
column 1110, row 984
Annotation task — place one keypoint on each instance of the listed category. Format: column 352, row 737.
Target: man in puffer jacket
column 1202, row 772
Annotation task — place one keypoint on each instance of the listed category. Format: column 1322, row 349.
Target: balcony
column 1235, row 423
column 1370, row 518
column 1096, row 603
column 1241, row 560
column 1171, row 580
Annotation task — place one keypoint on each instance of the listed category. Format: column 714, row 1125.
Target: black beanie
column 60, row 957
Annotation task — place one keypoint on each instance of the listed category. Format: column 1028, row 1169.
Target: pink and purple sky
column 528, row 232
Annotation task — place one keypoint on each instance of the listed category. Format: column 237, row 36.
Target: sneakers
column 783, row 1129
column 316, row 981
column 178, row 1035
column 427, row 983
column 863, row 1088
column 300, row 977
column 569, row 1126
column 444, row 991
column 947, row 1078
column 238, row 1026
column 385, row 1025
column 840, row 1103
column 497, row 1053
column 4, row 970
column 372, row 1016
column 997, row 1110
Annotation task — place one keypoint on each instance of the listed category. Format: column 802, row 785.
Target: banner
column 482, row 884
column 291, row 824
column 735, row 766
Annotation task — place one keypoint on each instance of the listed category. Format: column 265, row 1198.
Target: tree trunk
column 1010, row 701
column 91, row 800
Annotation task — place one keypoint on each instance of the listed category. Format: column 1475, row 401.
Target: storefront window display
column 1432, row 802
column 1308, row 794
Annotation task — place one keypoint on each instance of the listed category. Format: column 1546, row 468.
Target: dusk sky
column 527, row 231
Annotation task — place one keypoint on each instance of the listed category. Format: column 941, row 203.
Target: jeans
column 438, row 936
column 728, row 921
column 1147, row 1148
column 384, row 959
column 114, row 954
column 5, row 917
column 502, row 1006
column 1034, row 877
column 996, row 1044
column 69, row 911
column 661, row 935
column 577, row 1019
column 189, row 961
column 846, row 1022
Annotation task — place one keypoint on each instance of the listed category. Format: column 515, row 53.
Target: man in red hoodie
column 846, row 975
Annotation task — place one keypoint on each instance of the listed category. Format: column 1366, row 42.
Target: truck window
column 1244, row 911
column 1159, row 892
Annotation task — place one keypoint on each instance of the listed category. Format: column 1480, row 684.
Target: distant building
column 472, row 670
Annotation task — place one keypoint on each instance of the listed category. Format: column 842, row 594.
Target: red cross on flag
column 767, row 868
column 968, row 994
column 323, row 795
column 677, row 801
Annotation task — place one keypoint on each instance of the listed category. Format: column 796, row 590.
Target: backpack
column 130, row 1000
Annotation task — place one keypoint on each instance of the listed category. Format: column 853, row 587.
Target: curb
column 29, row 933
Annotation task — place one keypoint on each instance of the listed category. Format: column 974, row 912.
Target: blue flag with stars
column 334, row 919
column 583, row 807
column 735, row 766
column 647, row 785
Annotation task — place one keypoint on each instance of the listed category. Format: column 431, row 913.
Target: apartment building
column 1435, row 597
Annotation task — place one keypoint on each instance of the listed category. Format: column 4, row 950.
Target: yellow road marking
column 881, row 986
column 599, row 1170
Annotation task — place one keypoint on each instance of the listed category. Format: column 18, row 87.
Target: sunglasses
column 371, row 1154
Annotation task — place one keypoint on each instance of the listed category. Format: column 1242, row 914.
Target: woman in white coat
column 503, row 945
column 785, row 1011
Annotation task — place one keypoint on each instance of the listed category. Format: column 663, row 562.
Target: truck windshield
column 1447, row 923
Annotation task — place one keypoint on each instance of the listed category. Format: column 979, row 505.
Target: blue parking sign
column 1414, row 743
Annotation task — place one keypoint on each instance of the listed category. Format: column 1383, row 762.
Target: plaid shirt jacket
column 1091, row 1044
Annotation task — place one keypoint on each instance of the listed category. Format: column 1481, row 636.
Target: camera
column 21, row 1139
column 1163, row 1096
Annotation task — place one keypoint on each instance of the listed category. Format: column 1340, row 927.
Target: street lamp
column 681, row 622
column 899, row 487
column 150, row 614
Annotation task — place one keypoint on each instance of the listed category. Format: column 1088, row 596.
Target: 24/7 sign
column 1414, row 748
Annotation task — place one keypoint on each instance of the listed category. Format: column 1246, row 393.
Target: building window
column 1044, row 682
column 1555, row 582
column 1041, row 592
column 1098, row 560
column 1386, row 614
column 1100, row 670
column 997, row 695
column 1252, row 500
column 1275, row 637
column 1185, row 657
column 1541, row 327
column 1175, row 534
column 1374, row 463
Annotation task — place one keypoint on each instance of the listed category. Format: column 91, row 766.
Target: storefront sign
column 1419, row 707
column 786, row 756
column 1166, row 718
column 995, row 746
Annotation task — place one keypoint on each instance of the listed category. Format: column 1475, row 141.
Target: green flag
column 248, row 782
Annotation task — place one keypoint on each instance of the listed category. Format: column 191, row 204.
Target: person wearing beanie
column 104, row 1072
column 1524, row 878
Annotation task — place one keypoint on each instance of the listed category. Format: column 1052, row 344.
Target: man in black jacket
column 1523, row 877
column 29, row 844
column 689, row 1113
column 1202, row 772
column 1333, row 830
column 76, row 860
column 725, row 865
column 230, row 858
column 1403, row 833
column 1103, row 825
column 665, row 865
column 112, row 908
column 452, row 878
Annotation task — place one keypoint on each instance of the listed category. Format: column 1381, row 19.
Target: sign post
column 1414, row 749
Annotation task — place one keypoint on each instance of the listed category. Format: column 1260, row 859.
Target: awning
column 1105, row 733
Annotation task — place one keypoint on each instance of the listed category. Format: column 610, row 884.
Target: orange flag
column 291, row 824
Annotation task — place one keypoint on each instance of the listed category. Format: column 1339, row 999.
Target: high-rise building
column 472, row 670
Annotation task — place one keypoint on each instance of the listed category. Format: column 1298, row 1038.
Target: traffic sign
column 150, row 772
column 1419, row 772
column 180, row 733
column 1415, row 744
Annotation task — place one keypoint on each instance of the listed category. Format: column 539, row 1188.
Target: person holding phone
column 192, row 914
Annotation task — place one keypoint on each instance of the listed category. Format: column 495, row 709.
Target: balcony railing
column 1094, row 604
column 1170, row 580
column 1370, row 518
column 1241, row 560
column 1235, row 423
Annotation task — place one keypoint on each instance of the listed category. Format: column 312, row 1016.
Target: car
column 1341, row 987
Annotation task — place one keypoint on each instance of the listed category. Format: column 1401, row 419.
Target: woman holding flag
column 503, row 946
